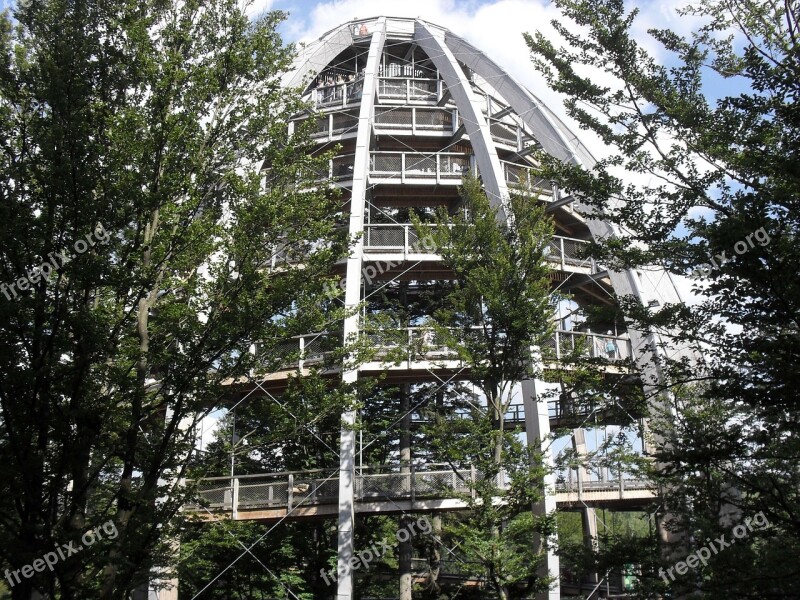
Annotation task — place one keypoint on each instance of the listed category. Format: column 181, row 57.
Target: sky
column 495, row 27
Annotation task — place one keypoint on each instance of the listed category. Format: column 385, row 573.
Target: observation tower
column 413, row 108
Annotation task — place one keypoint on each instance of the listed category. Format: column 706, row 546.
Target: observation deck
column 423, row 488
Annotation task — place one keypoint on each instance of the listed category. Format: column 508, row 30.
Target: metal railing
column 426, row 342
column 396, row 237
column 504, row 133
column 415, row 118
column 594, row 345
column 408, row 343
column 514, row 415
column 409, row 89
column 339, row 168
column 335, row 123
column 321, row 487
column 570, row 252
column 301, row 351
column 521, row 175
column 403, row 237
column 341, row 94
column 441, row 166
column 615, row 483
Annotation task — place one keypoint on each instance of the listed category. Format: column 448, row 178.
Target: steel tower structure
column 414, row 107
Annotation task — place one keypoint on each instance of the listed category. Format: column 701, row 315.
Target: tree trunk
column 405, row 467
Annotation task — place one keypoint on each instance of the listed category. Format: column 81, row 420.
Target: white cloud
column 493, row 27
column 254, row 8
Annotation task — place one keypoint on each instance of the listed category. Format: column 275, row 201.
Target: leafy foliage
column 713, row 128
column 157, row 133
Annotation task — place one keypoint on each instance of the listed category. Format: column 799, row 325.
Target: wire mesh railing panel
column 320, row 127
column 331, row 94
column 392, row 88
column 453, row 167
column 326, row 491
column 427, row 342
column 550, row 348
column 503, row 132
column 515, row 174
column 386, row 338
column 354, row 90
column 214, row 494
column 386, row 163
column 384, row 236
column 422, row 89
column 394, row 117
column 554, row 248
column 441, row 483
column 573, row 249
column 389, row 485
column 254, row 493
column 317, row 346
column 413, row 241
column 343, row 122
column 613, row 347
column 343, row 167
column 568, row 342
column 287, row 351
column 420, row 165
column 432, row 118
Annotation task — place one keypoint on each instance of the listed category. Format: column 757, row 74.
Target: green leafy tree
column 495, row 310
column 149, row 142
column 714, row 132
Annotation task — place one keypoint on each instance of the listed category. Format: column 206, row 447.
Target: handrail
column 442, row 166
column 410, row 89
column 428, row 468
column 288, row 489
column 343, row 93
column 558, row 242
column 419, row 119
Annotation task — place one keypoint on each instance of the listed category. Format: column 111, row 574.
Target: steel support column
column 352, row 298
column 537, row 431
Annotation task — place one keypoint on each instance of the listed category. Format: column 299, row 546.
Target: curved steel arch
column 551, row 132
column 475, row 123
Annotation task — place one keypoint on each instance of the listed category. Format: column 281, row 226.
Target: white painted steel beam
column 315, row 57
column 352, row 298
column 537, row 430
column 432, row 41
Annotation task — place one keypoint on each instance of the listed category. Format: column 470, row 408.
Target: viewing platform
column 400, row 241
column 424, row 488
column 419, row 352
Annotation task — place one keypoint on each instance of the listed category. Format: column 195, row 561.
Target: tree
column 715, row 132
column 495, row 309
column 155, row 211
